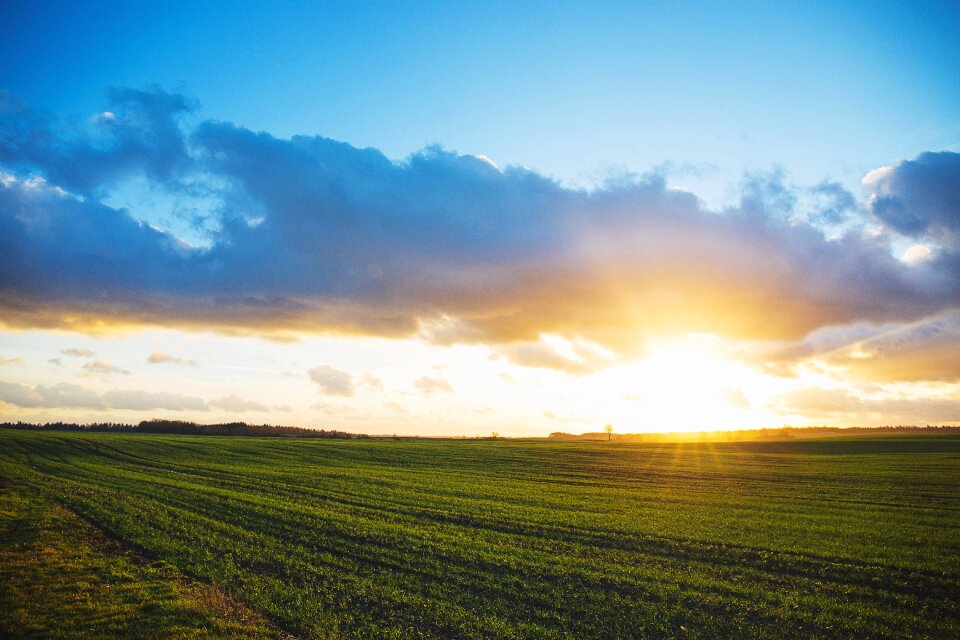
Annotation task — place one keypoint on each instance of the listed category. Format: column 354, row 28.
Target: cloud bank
column 833, row 405
column 71, row 396
column 314, row 235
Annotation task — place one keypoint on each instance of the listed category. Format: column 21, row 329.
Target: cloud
column 831, row 203
column 429, row 386
column 60, row 395
column 331, row 409
column 236, row 404
column 395, row 407
column 928, row 349
column 104, row 368
column 373, row 382
column 817, row 402
column 919, row 197
column 314, row 235
column 576, row 358
column 78, row 353
column 17, row 361
column 150, row 400
column 735, row 398
column 845, row 406
column 331, row 381
column 141, row 135
column 159, row 357
column 71, row 396
column 68, row 395
column 916, row 253
column 925, row 350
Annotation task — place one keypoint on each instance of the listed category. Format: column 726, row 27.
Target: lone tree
column 609, row 430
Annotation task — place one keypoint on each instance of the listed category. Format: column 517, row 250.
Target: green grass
column 840, row 538
column 61, row 578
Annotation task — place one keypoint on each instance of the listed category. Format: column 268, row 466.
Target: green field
column 838, row 538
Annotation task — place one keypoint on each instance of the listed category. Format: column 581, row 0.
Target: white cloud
column 876, row 178
column 78, row 353
column 735, row 398
column 62, row 395
column 429, row 386
column 916, row 253
column 848, row 406
column 159, row 357
column 332, row 381
column 373, row 382
column 236, row 404
column 135, row 399
column 104, row 368
column 71, row 396
column 552, row 352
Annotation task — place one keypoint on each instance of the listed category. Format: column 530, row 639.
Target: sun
column 692, row 384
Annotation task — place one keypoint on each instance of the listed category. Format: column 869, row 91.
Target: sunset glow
column 528, row 234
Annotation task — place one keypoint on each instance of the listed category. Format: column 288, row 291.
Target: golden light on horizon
column 692, row 384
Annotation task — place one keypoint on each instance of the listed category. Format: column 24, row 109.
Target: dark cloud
column 332, row 381
column 919, row 197
column 315, row 235
column 832, row 204
column 138, row 134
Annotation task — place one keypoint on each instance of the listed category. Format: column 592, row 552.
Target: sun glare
column 690, row 385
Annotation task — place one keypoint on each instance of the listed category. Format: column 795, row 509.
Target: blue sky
column 573, row 90
column 452, row 218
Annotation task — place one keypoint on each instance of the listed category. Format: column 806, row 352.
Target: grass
column 61, row 578
column 840, row 538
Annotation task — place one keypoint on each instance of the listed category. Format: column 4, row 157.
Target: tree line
column 182, row 427
column 782, row 433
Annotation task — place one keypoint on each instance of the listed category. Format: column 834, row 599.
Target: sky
column 458, row 219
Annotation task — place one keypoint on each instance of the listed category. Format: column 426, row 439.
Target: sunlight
column 690, row 384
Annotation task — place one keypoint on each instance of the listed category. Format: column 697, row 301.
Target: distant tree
column 609, row 430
